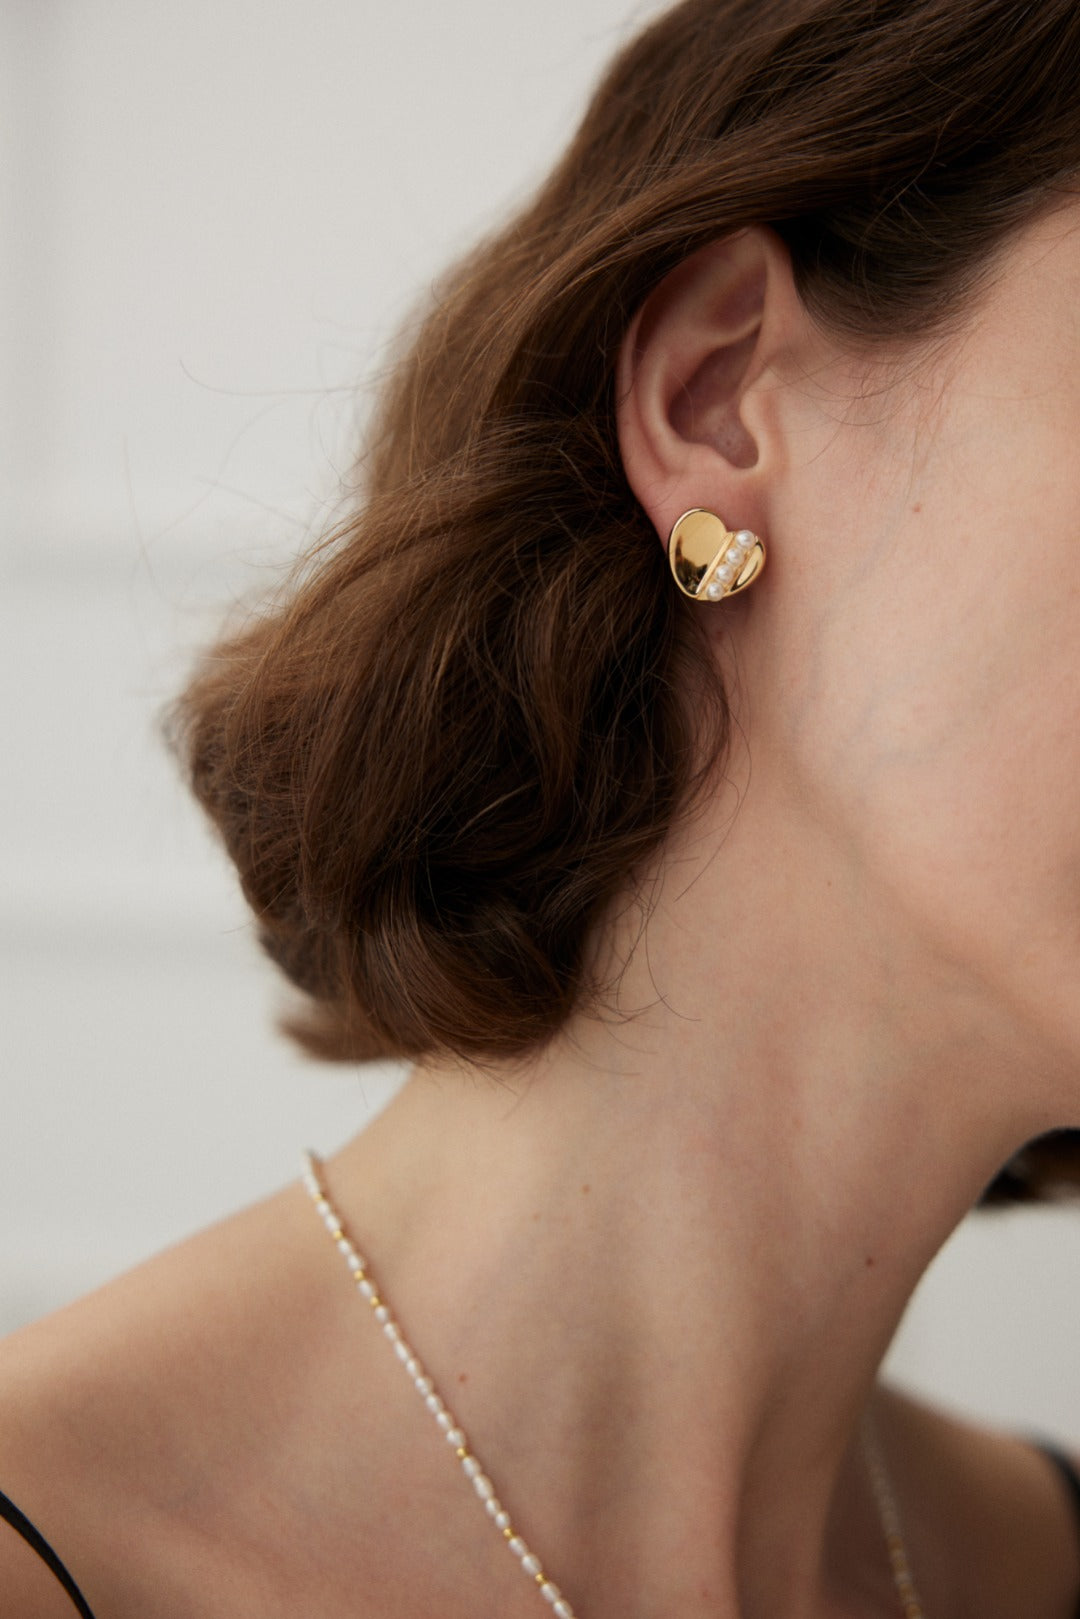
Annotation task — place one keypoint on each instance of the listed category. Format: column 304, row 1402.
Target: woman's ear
column 695, row 421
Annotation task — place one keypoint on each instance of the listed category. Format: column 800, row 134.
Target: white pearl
column 745, row 539
column 471, row 1466
column 725, row 573
column 714, row 590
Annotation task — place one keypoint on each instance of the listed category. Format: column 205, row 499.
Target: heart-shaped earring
column 710, row 562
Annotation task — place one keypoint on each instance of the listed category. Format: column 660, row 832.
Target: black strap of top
column 1071, row 1477
column 1067, row 1468
column 37, row 1542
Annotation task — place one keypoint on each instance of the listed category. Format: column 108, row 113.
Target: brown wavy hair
column 454, row 740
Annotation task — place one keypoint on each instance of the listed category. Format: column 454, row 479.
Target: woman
column 729, row 909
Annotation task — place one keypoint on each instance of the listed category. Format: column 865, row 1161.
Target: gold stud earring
column 710, row 562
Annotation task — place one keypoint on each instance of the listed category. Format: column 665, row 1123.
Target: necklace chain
column 452, row 1431
column 889, row 1514
column 425, row 1387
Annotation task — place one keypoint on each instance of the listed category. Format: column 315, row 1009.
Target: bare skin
column 222, row 1433
column 657, row 1266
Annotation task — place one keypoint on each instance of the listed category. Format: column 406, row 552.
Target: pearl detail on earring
column 710, row 562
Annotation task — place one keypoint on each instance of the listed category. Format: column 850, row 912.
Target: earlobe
column 686, row 369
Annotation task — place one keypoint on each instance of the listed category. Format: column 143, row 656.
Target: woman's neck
column 668, row 1256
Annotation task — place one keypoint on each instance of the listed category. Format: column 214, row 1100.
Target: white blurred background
column 213, row 215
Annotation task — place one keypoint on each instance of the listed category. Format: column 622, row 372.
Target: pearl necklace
column 452, row 1431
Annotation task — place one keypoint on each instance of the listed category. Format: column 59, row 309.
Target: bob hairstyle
column 451, row 744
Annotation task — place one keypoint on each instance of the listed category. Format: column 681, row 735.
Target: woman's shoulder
column 172, row 1438
column 994, row 1493
column 141, row 1426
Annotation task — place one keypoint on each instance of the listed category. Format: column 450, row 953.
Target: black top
column 34, row 1539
